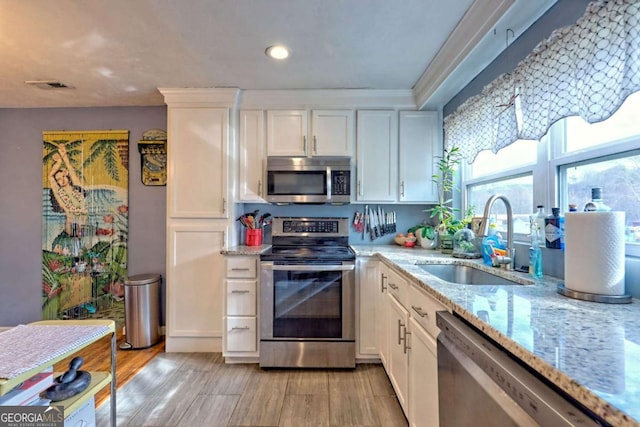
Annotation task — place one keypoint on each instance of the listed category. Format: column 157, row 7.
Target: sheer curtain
column 586, row 69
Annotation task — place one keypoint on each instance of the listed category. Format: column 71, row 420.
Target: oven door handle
column 267, row 266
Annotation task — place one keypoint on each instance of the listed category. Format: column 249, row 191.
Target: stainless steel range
column 307, row 302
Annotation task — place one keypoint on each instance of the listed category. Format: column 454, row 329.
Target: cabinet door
column 195, row 280
column 332, row 132
column 197, row 162
column 368, row 289
column 382, row 314
column 377, row 156
column 252, row 156
column 423, row 375
column 287, row 133
column 419, row 147
column 398, row 364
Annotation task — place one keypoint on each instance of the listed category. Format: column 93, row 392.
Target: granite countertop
column 590, row 350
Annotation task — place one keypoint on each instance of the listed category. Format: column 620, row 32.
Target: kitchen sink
column 465, row 275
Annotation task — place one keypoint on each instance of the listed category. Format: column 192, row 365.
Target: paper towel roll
column 594, row 252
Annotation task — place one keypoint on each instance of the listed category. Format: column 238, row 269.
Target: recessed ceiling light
column 277, row 52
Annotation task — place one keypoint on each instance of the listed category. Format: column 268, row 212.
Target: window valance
column 586, row 69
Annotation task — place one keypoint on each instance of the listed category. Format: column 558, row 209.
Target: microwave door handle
column 328, row 183
column 268, row 266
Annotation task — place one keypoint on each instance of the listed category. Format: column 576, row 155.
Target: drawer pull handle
column 419, row 311
column 240, row 269
column 239, row 292
column 393, row 286
column 240, row 328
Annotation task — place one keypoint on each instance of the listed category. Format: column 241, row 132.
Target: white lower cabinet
column 368, row 278
column 406, row 332
column 194, row 286
column 382, row 311
column 240, row 335
column 423, row 378
column 398, row 364
column 423, row 359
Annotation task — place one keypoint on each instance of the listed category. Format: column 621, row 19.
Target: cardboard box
column 84, row 416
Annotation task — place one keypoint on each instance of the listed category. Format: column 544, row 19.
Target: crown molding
column 481, row 16
column 327, row 98
column 200, row 97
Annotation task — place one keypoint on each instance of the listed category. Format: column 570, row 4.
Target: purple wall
column 21, row 199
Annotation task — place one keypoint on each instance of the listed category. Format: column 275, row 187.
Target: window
column 580, row 156
column 618, row 176
column 520, row 153
column 623, row 124
column 508, row 172
column 517, row 190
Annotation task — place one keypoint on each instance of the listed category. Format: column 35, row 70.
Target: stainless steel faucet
column 509, row 260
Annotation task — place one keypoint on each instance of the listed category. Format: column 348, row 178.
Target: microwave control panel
column 340, row 183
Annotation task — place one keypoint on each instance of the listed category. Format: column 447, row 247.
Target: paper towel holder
column 586, row 296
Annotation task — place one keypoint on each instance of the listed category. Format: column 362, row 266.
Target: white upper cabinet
column 197, row 162
column 287, row 132
column 251, row 157
column 419, row 146
column 377, row 155
column 331, row 133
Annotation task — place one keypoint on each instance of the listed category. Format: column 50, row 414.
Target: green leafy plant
column 443, row 211
column 425, row 231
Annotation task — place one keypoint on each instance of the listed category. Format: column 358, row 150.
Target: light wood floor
column 128, row 362
column 198, row 389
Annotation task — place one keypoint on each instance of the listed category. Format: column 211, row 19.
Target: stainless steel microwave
column 317, row 180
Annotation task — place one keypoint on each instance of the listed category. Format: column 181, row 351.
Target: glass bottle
column 535, row 253
column 596, row 203
column 552, row 230
column 539, row 217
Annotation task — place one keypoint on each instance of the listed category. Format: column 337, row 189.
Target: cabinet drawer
column 423, row 309
column 241, row 334
column 397, row 286
column 241, row 297
column 242, row 267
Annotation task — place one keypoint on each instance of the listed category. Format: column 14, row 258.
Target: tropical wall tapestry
column 85, row 207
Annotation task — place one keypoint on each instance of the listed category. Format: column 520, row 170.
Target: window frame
column 549, row 186
column 607, row 151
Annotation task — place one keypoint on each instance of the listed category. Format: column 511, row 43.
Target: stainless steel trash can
column 141, row 310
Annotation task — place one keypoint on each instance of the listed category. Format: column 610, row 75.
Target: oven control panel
column 310, row 226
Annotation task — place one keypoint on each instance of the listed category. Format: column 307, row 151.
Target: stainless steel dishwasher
column 480, row 384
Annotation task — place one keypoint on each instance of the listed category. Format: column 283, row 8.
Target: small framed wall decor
column 153, row 157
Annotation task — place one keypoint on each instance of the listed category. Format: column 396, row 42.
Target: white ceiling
column 118, row 52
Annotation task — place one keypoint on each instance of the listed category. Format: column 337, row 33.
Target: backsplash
column 407, row 217
column 410, row 215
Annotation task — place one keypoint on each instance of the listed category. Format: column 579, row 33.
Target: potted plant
column 426, row 235
column 443, row 211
